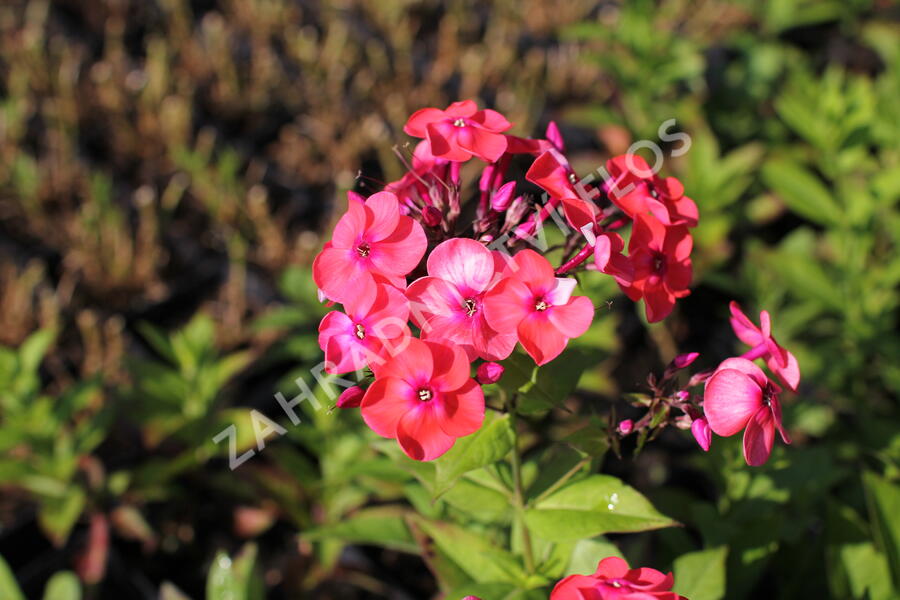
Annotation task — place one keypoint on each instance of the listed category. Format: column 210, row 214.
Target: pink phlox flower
column 551, row 171
column 740, row 396
column 424, row 398
column 637, row 190
column 461, row 131
column 538, row 306
column 448, row 304
column 370, row 239
column 375, row 321
column 613, row 580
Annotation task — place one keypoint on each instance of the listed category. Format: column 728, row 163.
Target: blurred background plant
column 166, row 168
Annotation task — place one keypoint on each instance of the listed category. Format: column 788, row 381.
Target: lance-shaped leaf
column 593, row 506
column 484, row 447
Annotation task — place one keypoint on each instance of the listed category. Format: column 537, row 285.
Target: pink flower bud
column 682, row 395
column 702, row 433
column 489, row 372
column 351, row 397
column 626, row 426
column 502, row 198
column 684, row 360
column 701, row 377
column 431, row 216
column 555, row 137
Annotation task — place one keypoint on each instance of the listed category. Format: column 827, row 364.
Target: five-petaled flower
column 531, row 301
column 371, row 243
column 637, row 190
column 375, row 321
column 461, row 131
column 613, row 580
column 424, row 398
column 740, row 396
column 660, row 257
column 448, row 304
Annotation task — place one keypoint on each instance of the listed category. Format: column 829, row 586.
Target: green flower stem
column 519, row 495
column 562, row 480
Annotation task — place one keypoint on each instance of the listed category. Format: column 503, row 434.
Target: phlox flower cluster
column 432, row 287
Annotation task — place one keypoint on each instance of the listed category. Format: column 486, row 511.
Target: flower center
column 769, row 394
column 425, row 394
column 470, row 306
column 659, row 263
column 459, row 123
column 541, row 306
column 363, row 249
column 360, row 331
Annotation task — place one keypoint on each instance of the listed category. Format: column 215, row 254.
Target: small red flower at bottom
column 613, row 580
column 424, row 398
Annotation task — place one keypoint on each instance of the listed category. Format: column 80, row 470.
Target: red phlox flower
column 637, row 190
column 740, row 396
column 551, row 171
column 763, row 345
column 370, row 239
column 424, row 398
column 613, row 580
column 661, row 259
column 531, row 301
column 448, row 304
column 375, row 320
column 461, row 131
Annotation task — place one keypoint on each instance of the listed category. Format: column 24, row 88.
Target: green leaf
column 63, row 586
column 475, row 555
column 9, row 589
column 382, row 526
column 33, row 349
column 542, row 388
column 484, row 447
column 234, row 579
column 593, row 506
column 883, row 500
column 701, row 575
column 803, row 192
column 587, row 553
column 58, row 515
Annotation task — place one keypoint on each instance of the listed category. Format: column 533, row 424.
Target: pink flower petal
column 759, row 437
column 747, row 367
column 443, row 139
column 336, row 272
column 506, row 304
column 463, row 262
column 562, row 291
column 731, row 398
column 461, row 412
column 420, row 119
column 541, row 340
column 462, row 108
column 420, row 434
column 350, row 226
column 451, row 366
column 486, row 145
column 789, row 374
column 533, row 270
column 574, row 318
column 385, row 403
column 491, row 120
column 414, row 365
column 743, row 327
column 611, row 567
column 383, row 214
column 401, row 252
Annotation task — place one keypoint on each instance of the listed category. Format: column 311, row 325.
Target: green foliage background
column 168, row 169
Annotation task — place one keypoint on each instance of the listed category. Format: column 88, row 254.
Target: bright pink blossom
column 371, row 240
column 538, row 306
column 637, row 190
column 763, row 345
column 613, row 580
column 661, row 258
column 608, row 258
column 375, row 320
column 448, row 303
column 625, row 426
column 424, row 398
column 740, row 396
column 461, row 131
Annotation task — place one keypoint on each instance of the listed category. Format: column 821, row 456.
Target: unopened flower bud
column 625, row 427
column 489, row 372
column 431, row 216
column 702, row 433
column 351, row 397
column 684, row 360
column 555, row 137
column 502, row 198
